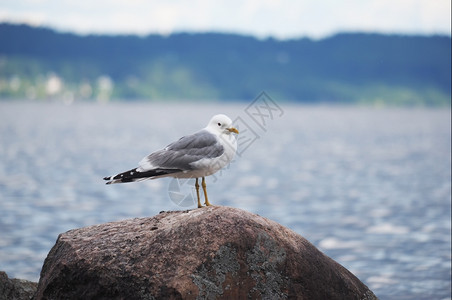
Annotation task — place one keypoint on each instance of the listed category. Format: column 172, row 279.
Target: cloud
column 281, row 19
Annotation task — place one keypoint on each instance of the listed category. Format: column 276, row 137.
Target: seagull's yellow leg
column 203, row 183
column 197, row 193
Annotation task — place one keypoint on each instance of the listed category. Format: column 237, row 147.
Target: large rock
column 12, row 289
column 208, row 253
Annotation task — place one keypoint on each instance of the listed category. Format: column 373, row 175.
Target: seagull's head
column 221, row 124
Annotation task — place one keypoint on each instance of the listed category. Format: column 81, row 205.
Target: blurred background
column 352, row 147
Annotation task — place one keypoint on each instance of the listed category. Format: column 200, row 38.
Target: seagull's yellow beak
column 232, row 129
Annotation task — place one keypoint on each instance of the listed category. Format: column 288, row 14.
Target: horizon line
column 60, row 30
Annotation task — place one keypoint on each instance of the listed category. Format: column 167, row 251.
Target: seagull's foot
column 197, row 193
column 204, row 188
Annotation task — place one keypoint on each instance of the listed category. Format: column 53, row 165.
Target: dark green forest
column 40, row 63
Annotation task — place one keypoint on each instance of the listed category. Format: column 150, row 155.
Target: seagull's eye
column 219, row 124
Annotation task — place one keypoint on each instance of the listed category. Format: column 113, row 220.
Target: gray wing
column 179, row 155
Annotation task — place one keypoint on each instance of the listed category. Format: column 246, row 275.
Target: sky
column 282, row 19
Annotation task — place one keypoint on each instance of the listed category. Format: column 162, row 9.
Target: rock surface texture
column 12, row 289
column 207, row 253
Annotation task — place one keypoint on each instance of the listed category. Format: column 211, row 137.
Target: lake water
column 370, row 187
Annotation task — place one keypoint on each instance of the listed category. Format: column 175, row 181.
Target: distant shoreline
column 396, row 70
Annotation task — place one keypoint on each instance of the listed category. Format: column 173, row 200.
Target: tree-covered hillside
column 41, row 63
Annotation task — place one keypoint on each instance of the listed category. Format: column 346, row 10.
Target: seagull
column 193, row 156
